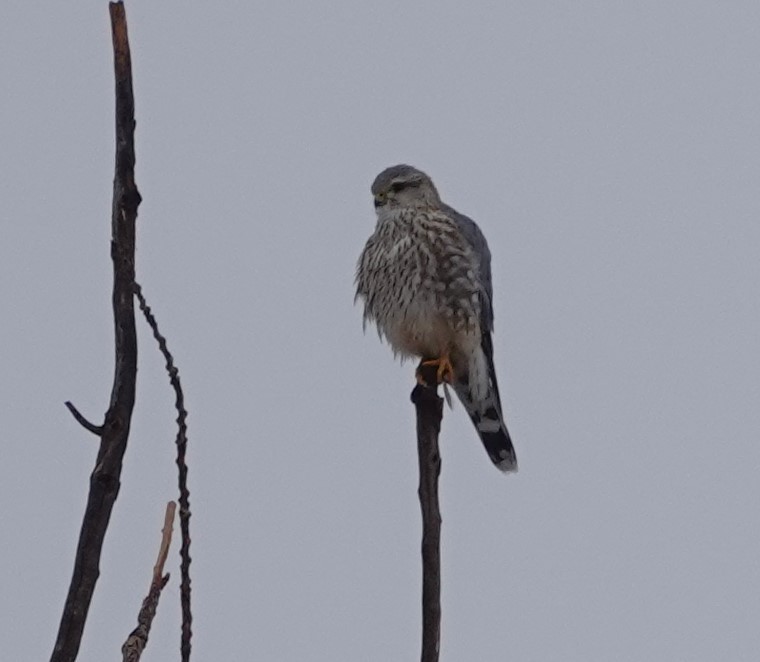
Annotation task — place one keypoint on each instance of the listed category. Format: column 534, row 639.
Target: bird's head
column 404, row 186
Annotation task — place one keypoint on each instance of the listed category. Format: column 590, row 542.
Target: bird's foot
column 444, row 374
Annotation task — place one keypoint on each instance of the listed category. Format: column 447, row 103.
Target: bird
column 424, row 277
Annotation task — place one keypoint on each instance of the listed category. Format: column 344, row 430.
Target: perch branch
column 429, row 408
column 104, row 480
column 138, row 638
column 184, row 493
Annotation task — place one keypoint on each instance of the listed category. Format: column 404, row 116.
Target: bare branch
column 166, row 540
column 429, row 408
column 138, row 638
column 104, row 480
column 91, row 427
column 184, row 492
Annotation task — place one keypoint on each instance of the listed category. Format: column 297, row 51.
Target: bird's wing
column 473, row 234
column 486, row 414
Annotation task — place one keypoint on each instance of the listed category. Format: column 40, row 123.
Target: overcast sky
column 610, row 151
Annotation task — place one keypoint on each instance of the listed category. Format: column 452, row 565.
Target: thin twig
column 184, row 493
column 429, row 408
column 104, row 480
column 138, row 638
column 166, row 540
column 91, row 427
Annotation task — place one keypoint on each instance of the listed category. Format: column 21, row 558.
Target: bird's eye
column 398, row 186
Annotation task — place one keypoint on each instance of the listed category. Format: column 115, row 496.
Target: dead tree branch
column 184, row 493
column 104, row 480
column 138, row 638
column 429, row 408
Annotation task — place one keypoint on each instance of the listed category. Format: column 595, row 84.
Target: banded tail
column 487, row 417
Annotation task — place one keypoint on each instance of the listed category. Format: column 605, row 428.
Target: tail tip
column 506, row 462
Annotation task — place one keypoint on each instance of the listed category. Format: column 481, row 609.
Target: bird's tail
column 485, row 413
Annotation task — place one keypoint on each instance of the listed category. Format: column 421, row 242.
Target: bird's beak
column 379, row 200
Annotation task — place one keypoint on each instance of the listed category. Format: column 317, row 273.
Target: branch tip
column 426, row 389
column 137, row 640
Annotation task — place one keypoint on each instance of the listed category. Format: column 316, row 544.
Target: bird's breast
column 406, row 293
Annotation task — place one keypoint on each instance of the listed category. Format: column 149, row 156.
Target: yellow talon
column 445, row 372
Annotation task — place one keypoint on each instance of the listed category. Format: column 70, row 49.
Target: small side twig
column 429, row 408
column 184, row 492
column 138, row 638
column 91, row 427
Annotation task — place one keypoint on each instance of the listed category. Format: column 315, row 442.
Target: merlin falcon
column 425, row 279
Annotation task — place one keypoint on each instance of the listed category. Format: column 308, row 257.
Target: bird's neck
column 403, row 215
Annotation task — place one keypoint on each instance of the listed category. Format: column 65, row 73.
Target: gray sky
column 610, row 152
